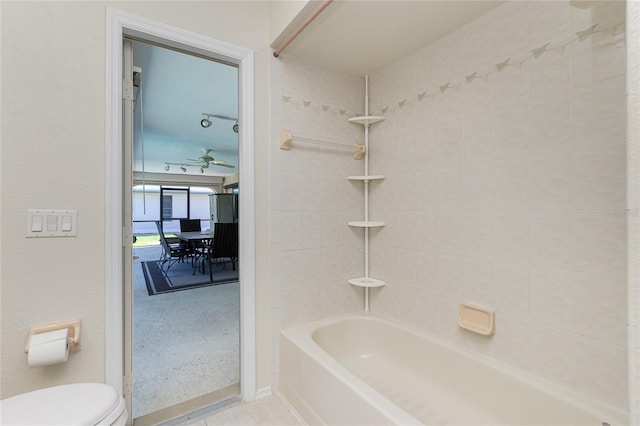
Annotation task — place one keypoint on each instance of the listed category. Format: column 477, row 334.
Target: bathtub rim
column 302, row 336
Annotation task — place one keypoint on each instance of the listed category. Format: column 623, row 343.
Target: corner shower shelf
column 366, row 120
column 366, row 224
column 366, row 178
column 367, row 282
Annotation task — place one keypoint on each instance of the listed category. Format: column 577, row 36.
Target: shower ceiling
column 361, row 37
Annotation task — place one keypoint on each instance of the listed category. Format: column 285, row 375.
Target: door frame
column 119, row 25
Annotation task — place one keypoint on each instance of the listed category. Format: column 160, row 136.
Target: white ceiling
column 358, row 37
column 176, row 88
column 362, row 36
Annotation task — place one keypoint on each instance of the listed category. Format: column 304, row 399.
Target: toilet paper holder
column 74, row 333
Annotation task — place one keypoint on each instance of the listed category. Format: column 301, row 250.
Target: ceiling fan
column 205, row 160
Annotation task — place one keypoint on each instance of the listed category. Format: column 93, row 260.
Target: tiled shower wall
column 504, row 154
column 314, row 252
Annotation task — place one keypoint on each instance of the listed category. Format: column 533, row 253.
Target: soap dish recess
column 477, row 319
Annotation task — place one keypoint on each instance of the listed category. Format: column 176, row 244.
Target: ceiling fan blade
column 222, row 163
column 193, row 159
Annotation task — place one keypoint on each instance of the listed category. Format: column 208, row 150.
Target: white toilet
column 82, row 404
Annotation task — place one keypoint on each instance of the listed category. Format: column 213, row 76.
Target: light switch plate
column 46, row 223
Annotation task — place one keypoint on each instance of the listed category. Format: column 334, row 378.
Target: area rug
column 180, row 277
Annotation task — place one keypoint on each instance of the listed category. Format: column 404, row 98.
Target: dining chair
column 224, row 245
column 172, row 253
column 170, row 240
column 190, row 225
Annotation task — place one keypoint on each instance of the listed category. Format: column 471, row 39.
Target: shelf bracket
column 285, row 139
column 359, row 152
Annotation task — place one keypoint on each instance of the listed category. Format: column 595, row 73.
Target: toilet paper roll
column 48, row 348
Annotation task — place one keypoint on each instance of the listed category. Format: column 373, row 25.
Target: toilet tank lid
column 85, row 404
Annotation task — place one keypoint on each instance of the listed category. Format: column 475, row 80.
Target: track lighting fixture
column 206, row 121
column 184, row 167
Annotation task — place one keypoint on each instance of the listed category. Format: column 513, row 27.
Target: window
column 167, row 207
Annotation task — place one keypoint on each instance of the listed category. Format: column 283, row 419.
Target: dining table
column 196, row 240
column 194, row 236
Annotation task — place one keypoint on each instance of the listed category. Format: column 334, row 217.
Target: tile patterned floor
column 267, row 411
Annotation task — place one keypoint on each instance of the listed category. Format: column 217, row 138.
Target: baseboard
column 265, row 391
column 291, row 408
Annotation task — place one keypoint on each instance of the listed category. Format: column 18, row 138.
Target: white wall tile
column 551, row 180
column 479, row 185
column 551, row 238
column 512, row 341
column 599, row 175
column 551, row 297
column 550, row 81
column 510, row 288
column 599, row 113
column 311, row 229
column 599, row 307
column 520, row 186
column 511, row 185
column 313, row 200
column 512, row 237
column 510, row 93
column 599, row 243
column 550, row 354
column 291, row 228
column 507, row 190
column 478, row 280
column 478, row 140
column 511, row 133
column 596, row 66
column 551, row 126
column 600, row 370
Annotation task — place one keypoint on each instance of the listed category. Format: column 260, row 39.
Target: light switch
column 36, row 223
column 52, row 223
column 66, row 223
column 46, row 223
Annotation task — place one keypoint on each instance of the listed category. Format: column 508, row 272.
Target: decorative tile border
column 304, row 103
column 536, row 53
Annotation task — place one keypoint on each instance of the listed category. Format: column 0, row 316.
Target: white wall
column 53, row 148
column 314, row 251
column 505, row 186
column 150, row 203
column 633, row 205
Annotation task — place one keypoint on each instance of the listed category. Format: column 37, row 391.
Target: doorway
column 119, row 230
column 185, row 319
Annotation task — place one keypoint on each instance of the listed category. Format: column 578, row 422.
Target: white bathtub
column 365, row 370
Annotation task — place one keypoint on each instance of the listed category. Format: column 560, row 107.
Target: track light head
column 184, row 169
column 236, row 127
column 166, row 168
column 205, row 122
column 201, row 170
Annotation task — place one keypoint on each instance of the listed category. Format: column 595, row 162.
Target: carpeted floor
column 186, row 343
